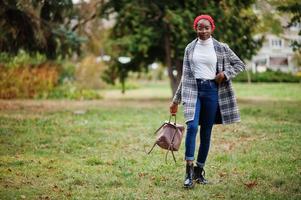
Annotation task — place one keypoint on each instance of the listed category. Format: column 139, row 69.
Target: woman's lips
column 203, row 36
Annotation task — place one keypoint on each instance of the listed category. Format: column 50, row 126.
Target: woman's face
column 204, row 29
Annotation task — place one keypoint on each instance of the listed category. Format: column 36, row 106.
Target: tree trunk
column 179, row 68
column 174, row 79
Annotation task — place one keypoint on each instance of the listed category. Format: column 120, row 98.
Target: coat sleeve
column 236, row 65
column 178, row 95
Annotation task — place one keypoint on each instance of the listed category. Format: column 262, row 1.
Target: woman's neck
column 204, row 42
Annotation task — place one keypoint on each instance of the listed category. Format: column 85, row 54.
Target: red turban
column 207, row 17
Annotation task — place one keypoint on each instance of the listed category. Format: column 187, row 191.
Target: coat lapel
column 219, row 55
column 190, row 55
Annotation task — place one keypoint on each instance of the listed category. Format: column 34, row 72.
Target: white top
column 204, row 59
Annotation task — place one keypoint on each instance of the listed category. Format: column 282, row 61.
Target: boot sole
column 200, row 182
column 189, row 187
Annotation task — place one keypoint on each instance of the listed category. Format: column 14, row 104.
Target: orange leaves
column 27, row 82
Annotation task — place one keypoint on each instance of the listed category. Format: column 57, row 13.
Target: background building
column 276, row 52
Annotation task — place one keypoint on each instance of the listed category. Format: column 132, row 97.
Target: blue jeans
column 205, row 113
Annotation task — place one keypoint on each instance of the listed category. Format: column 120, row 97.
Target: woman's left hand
column 220, row 77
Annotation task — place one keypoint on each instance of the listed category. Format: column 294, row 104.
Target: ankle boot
column 199, row 175
column 188, row 183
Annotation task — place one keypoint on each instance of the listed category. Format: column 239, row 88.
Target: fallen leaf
column 142, row 174
column 222, row 174
column 251, row 184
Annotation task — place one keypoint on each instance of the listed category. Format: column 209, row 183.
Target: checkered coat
column 187, row 90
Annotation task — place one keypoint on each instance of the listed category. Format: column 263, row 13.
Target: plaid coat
column 230, row 64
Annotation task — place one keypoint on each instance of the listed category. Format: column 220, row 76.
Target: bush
column 26, row 75
column 268, row 76
column 69, row 91
column 30, row 76
column 27, row 82
column 66, row 71
column 21, row 59
column 88, row 74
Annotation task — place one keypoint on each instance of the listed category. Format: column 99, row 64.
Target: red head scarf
column 207, row 17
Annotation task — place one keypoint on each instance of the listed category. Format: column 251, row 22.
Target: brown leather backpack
column 169, row 137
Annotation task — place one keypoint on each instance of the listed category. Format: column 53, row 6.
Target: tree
column 149, row 31
column 38, row 26
column 294, row 8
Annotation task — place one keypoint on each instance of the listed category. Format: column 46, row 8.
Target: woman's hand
column 173, row 108
column 220, row 77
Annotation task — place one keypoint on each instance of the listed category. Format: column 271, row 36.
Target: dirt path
column 58, row 105
column 128, row 101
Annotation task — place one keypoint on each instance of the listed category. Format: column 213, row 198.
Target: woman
column 206, row 93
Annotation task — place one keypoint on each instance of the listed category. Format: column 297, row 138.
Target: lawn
column 97, row 149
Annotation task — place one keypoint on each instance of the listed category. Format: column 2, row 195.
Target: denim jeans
column 205, row 113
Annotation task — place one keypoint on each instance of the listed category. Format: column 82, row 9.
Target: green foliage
column 67, row 41
column 38, row 26
column 70, row 91
column 142, row 26
column 21, row 59
column 293, row 7
column 268, row 76
column 66, row 71
column 269, row 23
column 149, row 31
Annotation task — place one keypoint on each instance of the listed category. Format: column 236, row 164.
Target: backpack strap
column 152, row 148
column 160, row 127
column 170, row 147
column 173, row 156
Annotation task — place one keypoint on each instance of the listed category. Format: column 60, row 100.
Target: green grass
column 47, row 151
column 269, row 91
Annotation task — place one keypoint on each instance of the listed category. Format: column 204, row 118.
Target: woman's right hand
column 173, row 108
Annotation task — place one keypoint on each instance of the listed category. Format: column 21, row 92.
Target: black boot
column 188, row 183
column 199, row 175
